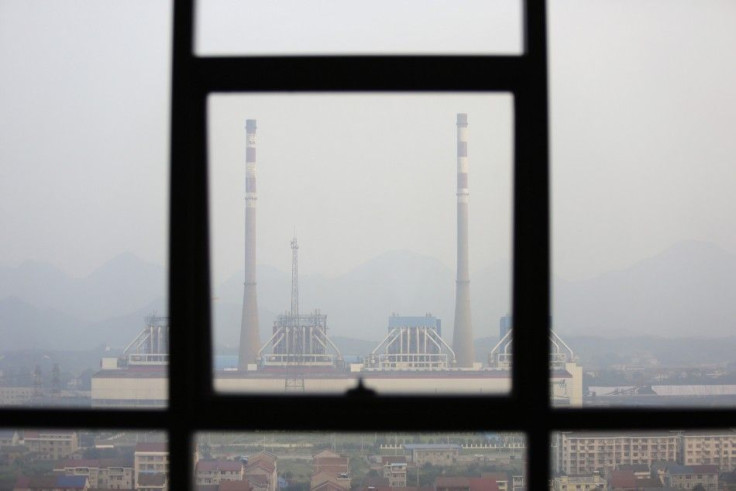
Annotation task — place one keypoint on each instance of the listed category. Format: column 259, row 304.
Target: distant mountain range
column 43, row 307
column 687, row 290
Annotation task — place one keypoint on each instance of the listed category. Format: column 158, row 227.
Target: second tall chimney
column 250, row 339
column 462, row 337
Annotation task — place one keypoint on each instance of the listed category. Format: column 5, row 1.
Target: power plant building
column 412, row 343
column 139, row 378
column 412, row 358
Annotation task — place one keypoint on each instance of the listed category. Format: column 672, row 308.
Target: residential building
column 51, row 444
column 709, row 448
column 433, row 453
column 261, row 472
column 151, row 463
column 216, row 471
column 396, row 474
column 152, row 482
column 451, row 483
column 331, row 463
column 324, row 481
column 587, row 452
column 52, row 483
column 16, row 396
column 583, row 482
column 689, row 476
column 101, row 473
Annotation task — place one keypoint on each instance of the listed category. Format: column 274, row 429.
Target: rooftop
column 152, row 447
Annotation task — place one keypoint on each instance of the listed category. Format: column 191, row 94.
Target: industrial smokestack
column 250, row 340
column 462, row 337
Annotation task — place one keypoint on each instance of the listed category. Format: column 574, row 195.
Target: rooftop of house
column 219, row 465
column 151, row 447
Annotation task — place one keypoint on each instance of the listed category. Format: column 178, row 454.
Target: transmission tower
column 294, row 278
column 294, row 379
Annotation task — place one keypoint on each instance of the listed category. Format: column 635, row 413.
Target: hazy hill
column 23, row 326
column 43, row 307
column 358, row 303
column 118, row 287
column 687, row 290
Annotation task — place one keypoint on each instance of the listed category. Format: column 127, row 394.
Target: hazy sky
column 357, row 175
column 643, row 112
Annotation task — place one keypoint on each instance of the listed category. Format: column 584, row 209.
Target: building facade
column 51, row 444
column 709, row 448
column 216, row 471
column 434, row 454
column 585, row 453
column 151, row 465
column 101, row 473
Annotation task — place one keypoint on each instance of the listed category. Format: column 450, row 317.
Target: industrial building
column 299, row 342
column 299, row 356
column 412, row 343
column 138, row 378
column 412, row 357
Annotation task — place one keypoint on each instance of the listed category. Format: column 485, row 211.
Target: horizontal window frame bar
column 360, row 73
column 347, row 414
column 85, row 418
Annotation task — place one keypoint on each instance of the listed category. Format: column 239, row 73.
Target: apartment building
column 101, row 473
column 584, row 453
column 579, row 483
column 431, row 453
column 217, row 471
column 690, row 476
column 396, row 474
column 709, row 448
column 51, row 444
column 261, row 473
column 151, row 466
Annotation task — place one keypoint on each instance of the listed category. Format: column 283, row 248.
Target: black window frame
column 193, row 405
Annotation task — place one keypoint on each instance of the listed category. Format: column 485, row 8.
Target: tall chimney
column 250, row 341
column 462, row 337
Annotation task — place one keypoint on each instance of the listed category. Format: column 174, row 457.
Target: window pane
column 643, row 459
column 643, row 206
column 360, row 201
column 352, row 27
column 84, row 93
column 78, row 459
column 375, row 461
